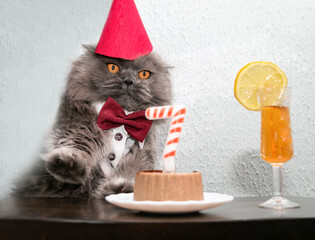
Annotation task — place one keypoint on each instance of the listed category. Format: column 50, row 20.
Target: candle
column 177, row 113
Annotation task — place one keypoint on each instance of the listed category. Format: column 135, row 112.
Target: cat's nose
column 128, row 82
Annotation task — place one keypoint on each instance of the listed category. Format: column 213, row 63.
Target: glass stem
column 277, row 180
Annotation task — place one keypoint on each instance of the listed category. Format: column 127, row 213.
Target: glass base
column 278, row 203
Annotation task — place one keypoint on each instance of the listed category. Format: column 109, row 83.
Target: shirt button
column 118, row 136
column 111, row 156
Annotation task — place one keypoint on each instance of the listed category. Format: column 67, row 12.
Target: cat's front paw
column 117, row 185
column 68, row 165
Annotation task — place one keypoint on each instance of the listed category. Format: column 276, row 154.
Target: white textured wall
column 207, row 42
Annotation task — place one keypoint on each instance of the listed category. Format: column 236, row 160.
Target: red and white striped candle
column 177, row 113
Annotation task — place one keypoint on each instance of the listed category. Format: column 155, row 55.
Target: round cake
column 158, row 186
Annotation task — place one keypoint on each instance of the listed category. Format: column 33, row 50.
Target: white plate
column 125, row 200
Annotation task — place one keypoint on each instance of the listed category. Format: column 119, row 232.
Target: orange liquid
column 276, row 138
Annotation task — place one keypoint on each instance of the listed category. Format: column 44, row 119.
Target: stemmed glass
column 276, row 140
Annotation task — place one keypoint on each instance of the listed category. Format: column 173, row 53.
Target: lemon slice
column 255, row 76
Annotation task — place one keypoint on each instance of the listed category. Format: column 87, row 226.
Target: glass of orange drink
column 262, row 86
column 276, row 140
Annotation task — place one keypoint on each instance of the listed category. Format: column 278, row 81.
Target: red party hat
column 124, row 35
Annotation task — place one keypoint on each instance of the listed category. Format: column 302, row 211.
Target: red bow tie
column 113, row 115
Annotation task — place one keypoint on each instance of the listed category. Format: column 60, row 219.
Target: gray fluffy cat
column 76, row 162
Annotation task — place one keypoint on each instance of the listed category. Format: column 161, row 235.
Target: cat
column 76, row 162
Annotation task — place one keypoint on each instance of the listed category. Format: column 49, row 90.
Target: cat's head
column 134, row 84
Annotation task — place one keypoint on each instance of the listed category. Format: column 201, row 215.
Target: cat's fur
column 76, row 162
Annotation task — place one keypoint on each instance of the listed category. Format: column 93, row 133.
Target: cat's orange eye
column 144, row 74
column 113, row 68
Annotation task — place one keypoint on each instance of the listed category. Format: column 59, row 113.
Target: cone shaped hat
column 124, row 35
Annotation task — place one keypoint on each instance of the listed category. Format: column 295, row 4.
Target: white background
column 206, row 42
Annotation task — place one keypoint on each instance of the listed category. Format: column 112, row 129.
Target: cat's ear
column 89, row 48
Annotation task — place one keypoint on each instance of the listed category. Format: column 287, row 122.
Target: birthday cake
column 168, row 185
column 159, row 186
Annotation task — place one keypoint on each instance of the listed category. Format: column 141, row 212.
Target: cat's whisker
column 109, row 86
column 144, row 95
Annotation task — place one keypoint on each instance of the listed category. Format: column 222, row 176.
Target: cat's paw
column 117, row 185
column 68, row 165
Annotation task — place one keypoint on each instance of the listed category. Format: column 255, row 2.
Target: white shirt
column 121, row 141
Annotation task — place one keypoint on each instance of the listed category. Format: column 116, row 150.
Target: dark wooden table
column 31, row 218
